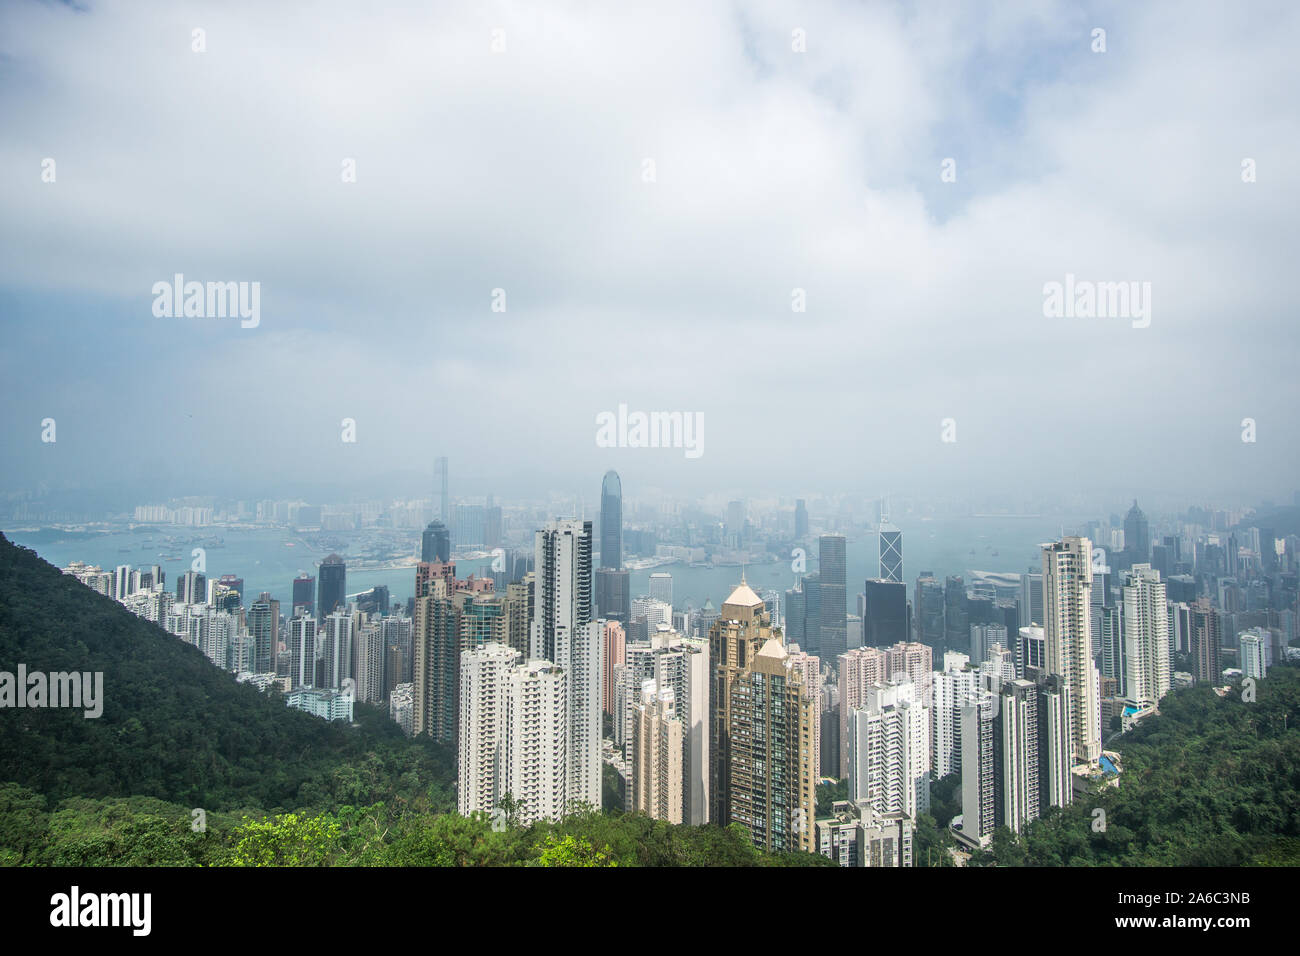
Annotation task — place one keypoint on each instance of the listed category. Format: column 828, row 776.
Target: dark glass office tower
column 832, row 567
column 794, row 617
column 613, row 594
column 812, row 615
column 374, row 601
column 884, row 613
column 611, row 521
column 929, row 605
column 800, row 520
column 1137, row 535
column 956, row 632
column 435, row 543
column 304, row 594
column 333, row 586
column 891, row 553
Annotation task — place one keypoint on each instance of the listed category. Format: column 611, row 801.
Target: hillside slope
column 175, row 727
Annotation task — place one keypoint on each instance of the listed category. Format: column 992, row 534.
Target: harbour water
column 269, row 559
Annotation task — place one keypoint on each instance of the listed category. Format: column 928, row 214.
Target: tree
column 572, row 851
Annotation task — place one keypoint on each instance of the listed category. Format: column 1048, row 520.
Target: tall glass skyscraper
column 304, row 594
column 891, row 553
column 333, row 588
column 1137, row 534
column 611, row 521
column 444, row 500
column 435, row 544
column 832, row 566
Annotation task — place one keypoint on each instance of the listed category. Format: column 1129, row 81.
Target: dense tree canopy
column 1210, row 781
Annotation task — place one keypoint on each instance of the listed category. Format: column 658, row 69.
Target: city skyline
column 650, row 434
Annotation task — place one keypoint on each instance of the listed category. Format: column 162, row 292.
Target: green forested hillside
column 175, row 727
column 1211, row 781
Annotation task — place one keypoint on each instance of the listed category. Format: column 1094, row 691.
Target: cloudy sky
column 524, row 169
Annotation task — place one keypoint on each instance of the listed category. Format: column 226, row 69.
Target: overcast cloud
column 775, row 170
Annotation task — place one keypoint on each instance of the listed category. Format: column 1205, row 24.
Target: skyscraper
column 1031, row 650
column 615, row 655
column 858, row 670
column 333, row 586
column 444, row 500
column 1016, row 758
column 1253, row 645
column 304, row 594
column 982, row 638
column 369, row 655
column 891, row 552
column 812, row 614
column 1031, row 598
column 613, row 594
column 1110, row 641
column 889, row 749
column 978, row 769
column 956, row 618
column 1206, row 640
column 435, row 543
column 771, row 779
column 537, row 759
column 335, row 640
column 1137, row 535
column 954, row 687
column 564, row 634
column 484, row 726
column 192, row 588
column 736, row 521
column 661, row 587
column 743, row 627
column 264, row 626
column 1054, row 760
column 800, row 520
column 884, row 613
column 611, row 521
column 795, row 610
column 302, row 652
column 680, row 665
column 436, row 656
column 1067, row 627
column 1146, row 636
column 657, row 755
column 929, row 610
column 832, row 568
